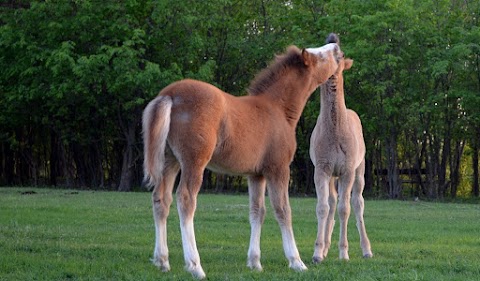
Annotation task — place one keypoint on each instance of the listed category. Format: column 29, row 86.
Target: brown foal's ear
column 307, row 57
column 348, row 64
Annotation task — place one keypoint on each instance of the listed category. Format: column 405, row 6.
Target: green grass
column 89, row 235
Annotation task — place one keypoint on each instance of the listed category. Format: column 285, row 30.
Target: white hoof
column 343, row 254
column 161, row 263
column 196, row 271
column 254, row 264
column 298, row 265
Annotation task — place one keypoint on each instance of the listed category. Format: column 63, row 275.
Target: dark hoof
column 317, row 260
column 368, row 256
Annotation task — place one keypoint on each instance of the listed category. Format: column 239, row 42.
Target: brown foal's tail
column 156, row 125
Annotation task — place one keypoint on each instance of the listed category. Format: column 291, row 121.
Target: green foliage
column 83, row 235
column 76, row 76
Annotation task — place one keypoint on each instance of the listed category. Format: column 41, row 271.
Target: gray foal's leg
column 359, row 207
column 322, row 181
column 345, row 183
column 332, row 202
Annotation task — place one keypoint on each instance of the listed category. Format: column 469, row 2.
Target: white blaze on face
column 324, row 49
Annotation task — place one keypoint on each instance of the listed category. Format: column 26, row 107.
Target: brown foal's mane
column 276, row 70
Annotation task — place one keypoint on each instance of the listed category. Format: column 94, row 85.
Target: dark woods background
column 76, row 75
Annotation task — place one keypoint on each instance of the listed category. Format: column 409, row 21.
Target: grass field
column 50, row 234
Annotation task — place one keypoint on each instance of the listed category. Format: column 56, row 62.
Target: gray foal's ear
column 348, row 64
column 333, row 38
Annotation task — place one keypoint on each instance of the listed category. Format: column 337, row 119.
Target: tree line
column 76, row 75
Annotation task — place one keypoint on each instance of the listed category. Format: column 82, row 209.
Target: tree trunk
column 53, row 158
column 418, row 167
column 442, row 172
column 207, row 180
column 455, row 168
column 368, row 175
column 78, row 158
column 126, row 177
column 378, row 163
column 432, row 159
column 394, row 187
column 475, row 187
column 219, row 183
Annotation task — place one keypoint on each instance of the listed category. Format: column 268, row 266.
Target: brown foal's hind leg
column 188, row 188
column 256, row 191
column 161, row 200
column 278, row 193
column 359, row 207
